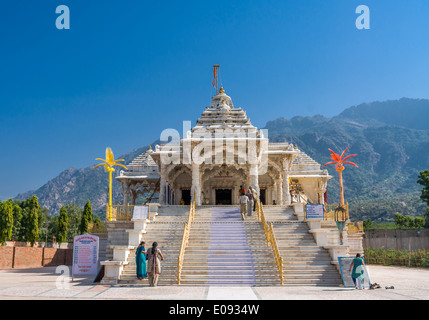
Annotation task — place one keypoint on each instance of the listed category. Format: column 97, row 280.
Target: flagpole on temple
column 215, row 76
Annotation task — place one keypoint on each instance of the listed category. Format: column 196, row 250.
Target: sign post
column 140, row 213
column 85, row 254
column 314, row 211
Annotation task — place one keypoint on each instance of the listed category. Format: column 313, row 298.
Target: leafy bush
column 389, row 257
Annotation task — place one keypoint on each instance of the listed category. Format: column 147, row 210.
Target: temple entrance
column 186, row 196
column 262, row 197
column 223, row 196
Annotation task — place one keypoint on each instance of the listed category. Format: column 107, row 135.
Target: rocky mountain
column 390, row 138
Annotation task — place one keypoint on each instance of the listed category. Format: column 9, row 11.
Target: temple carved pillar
column 287, row 164
column 279, row 195
column 196, row 185
column 162, row 184
column 133, row 196
column 286, row 189
column 254, row 177
column 125, row 191
column 321, row 191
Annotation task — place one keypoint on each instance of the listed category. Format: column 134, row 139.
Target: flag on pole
column 214, row 76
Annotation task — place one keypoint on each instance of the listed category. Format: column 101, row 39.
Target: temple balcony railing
column 123, row 212
column 332, row 214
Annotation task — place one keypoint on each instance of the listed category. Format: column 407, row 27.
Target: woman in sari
column 154, row 264
column 141, row 261
column 358, row 271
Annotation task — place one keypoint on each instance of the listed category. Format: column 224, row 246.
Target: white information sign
column 85, row 254
column 140, row 212
column 314, row 211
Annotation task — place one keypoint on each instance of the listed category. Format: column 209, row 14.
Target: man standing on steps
column 243, row 203
column 251, row 201
column 255, row 196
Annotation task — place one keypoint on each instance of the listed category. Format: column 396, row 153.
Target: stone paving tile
column 59, row 293
column 23, row 291
column 116, row 293
column 92, row 292
column 238, row 293
column 170, row 293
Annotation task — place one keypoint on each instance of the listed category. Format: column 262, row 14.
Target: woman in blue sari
column 141, row 261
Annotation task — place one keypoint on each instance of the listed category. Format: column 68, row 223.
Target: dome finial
column 221, row 90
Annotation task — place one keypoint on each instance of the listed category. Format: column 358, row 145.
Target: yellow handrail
column 271, row 239
column 185, row 240
column 182, row 252
column 279, row 258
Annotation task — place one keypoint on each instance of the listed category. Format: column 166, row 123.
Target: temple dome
column 222, row 101
column 222, row 115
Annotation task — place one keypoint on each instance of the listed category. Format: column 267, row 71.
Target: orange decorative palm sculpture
column 339, row 162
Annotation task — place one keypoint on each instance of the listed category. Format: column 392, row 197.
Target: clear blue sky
column 126, row 70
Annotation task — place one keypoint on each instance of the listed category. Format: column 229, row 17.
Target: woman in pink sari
column 154, row 264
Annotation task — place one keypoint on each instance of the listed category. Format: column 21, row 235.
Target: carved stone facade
column 217, row 157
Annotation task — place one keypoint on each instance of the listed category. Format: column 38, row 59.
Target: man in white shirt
column 243, row 203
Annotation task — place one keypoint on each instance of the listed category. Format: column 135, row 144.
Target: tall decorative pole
column 215, row 77
column 108, row 164
column 339, row 162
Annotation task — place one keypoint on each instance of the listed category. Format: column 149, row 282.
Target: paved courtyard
column 44, row 283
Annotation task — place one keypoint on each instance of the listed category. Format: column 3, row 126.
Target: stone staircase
column 304, row 262
column 223, row 250
column 167, row 229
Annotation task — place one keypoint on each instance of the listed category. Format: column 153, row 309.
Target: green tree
column 424, row 181
column 44, row 219
column 418, row 222
column 75, row 214
column 17, row 220
column 407, row 222
column 63, row 225
column 6, row 221
column 426, row 217
column 87, row 217
column 32, row 231
column 400, row 220
column 97, row 221
column 367, row 224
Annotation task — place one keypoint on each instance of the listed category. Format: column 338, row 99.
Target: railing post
column 185, row 240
